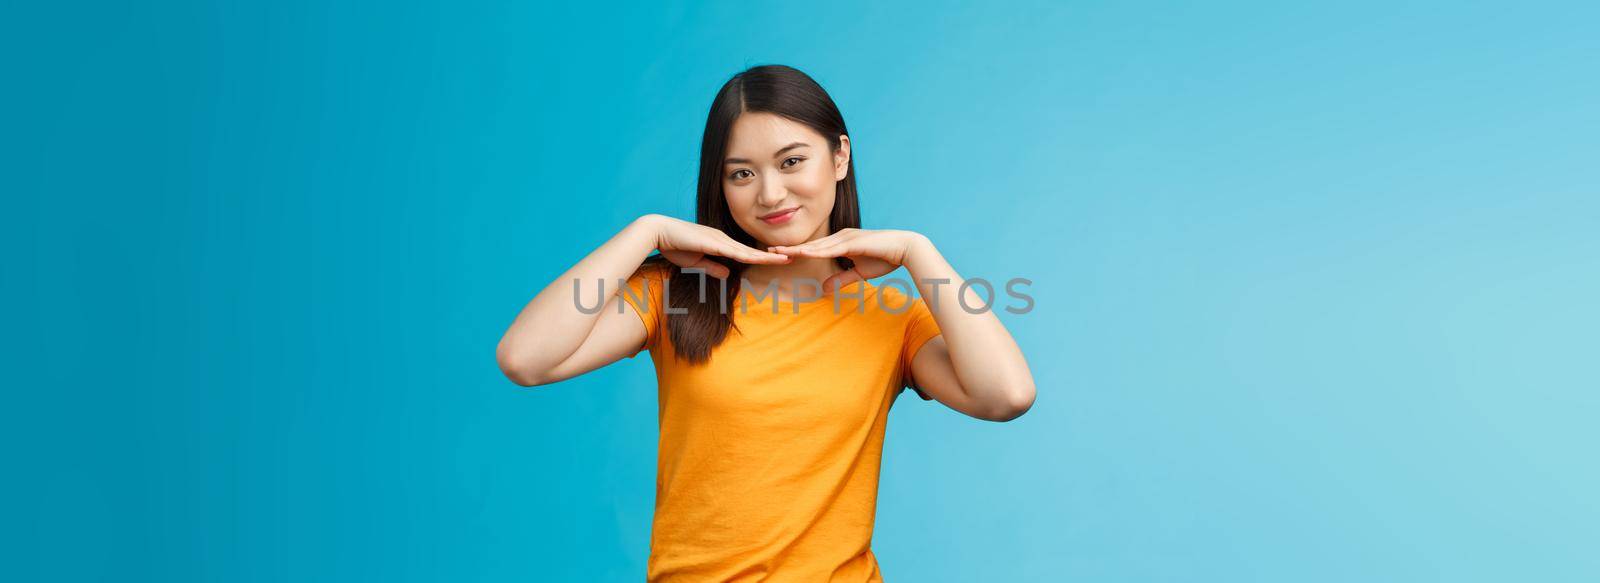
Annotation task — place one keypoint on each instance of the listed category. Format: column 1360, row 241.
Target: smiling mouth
column 779, row 216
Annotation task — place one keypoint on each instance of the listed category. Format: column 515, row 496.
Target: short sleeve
column 920, row 328
column 643, row 293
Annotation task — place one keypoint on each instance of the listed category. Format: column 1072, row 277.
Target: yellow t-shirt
column 769, row 453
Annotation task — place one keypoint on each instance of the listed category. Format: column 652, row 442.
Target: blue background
column 1315, row 286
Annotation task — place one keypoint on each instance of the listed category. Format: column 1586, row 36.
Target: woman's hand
column 687, row 244
column 874, row 252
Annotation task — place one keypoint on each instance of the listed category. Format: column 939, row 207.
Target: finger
column 750, row 254
column 721, row 244
column 834, row 250
column 759, row 256
column 841, row 279
column 716, row 242
column 711, row 268
column 870, row 267
column 743, row 254
column 828, row 240
column 681, row 258
column 804, row 248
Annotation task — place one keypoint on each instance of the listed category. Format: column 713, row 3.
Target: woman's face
column 776, row 166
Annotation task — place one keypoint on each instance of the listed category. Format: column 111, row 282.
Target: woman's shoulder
column 890, row 297
column 893, row 293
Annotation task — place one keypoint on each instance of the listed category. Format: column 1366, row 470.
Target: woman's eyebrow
column 774, row 155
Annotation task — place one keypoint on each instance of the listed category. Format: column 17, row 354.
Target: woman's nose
column 772, row 193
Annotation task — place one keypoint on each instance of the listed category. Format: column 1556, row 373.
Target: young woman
column 774, row 390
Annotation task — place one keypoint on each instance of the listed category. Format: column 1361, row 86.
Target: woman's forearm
column 551, row 327
column 986, row 359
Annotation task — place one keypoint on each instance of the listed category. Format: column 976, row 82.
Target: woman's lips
column 781, row 218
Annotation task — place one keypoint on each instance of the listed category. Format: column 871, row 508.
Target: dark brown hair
column 775, row 89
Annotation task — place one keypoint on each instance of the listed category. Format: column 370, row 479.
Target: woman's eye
column 796, row 160
column 737, row 174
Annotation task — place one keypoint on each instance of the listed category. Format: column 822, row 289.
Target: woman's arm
column 552, row 340
column 974, row 366
column 550, row 329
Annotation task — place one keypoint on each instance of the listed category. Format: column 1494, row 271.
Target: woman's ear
column 841, row 158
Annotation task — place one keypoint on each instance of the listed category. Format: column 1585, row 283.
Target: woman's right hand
column 687, row 244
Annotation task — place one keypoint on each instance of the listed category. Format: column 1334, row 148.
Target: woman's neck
column 802, row 275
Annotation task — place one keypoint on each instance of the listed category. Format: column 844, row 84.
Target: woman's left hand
column 874, row 252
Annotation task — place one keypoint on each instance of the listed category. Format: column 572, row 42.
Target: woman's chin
column 788, row 234
column 785, row 239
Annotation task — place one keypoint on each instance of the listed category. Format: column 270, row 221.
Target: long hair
column 775, row 89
